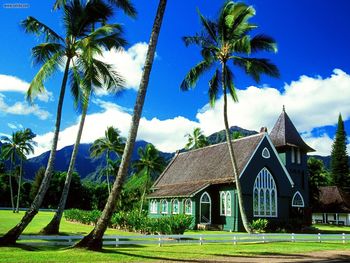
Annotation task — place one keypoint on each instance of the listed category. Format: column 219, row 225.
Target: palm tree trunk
column 93, row 241
column 53, row 227
column 107, row 166
column 10, row 183
column 233, row 159
column 19, row 185
column 144, row 191
column 12, row 235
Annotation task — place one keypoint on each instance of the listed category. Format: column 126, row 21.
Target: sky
column 313, row 58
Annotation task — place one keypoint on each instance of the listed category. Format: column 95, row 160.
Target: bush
column 259, row 225
column 82, row 216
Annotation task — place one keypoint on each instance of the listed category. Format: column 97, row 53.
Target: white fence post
column 160, row 241
column 200, row 240
column 293, row 237
column 116, row 241
column 263, row 237
column 234, row 240
column 319, row 237
column 343, row 237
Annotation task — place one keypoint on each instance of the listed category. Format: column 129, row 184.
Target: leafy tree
column 93, row 241
column 227, row 40
column 150, row 165
column 39, row 175
column 15, row 149
column 56, row 52
column 237, row 135
column 196, row 140
column 339, row 157
column 112, row 142
column 318, row 176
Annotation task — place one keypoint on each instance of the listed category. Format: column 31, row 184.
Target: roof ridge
column 217, row 144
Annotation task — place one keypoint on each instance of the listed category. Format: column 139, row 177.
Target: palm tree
column 227, row 40
column 96, row 74
column 16, row 148
column 196, row 140
column 150, row 165
column 111, row 142
column 93, row 241
column 78, row 20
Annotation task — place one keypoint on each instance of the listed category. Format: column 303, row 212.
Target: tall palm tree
column 112, row 142
column 26, row 147
column 150, row 165
column 227, row 40
column 93, row 241
column 78, row 20
column 196, row 140
column 94, row 74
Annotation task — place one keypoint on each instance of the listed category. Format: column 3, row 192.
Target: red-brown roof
column 333, row 200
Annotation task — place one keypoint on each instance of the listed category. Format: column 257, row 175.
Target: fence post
column 263, row 237
column 70, row 241
column 343, row 237
column 116, row 242
column 200, row 240
column 234, row 240
column 319, row 237
column 160, row 241
column 293, row 237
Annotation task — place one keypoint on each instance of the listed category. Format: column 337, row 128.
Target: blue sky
column 313, row 59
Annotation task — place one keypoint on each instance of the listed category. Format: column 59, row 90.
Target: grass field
column 149, row 253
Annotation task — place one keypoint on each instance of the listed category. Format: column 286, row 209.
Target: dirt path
column 318, row 256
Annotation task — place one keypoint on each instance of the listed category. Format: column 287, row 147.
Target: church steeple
column 285, row 134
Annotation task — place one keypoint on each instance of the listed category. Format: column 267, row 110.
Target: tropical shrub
column 82, row 216
column 259, row 225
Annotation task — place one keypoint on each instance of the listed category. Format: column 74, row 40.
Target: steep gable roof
column 333, row 200
column 284, row 133
column 190, row 171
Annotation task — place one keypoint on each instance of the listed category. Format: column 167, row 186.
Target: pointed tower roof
column 284, row 133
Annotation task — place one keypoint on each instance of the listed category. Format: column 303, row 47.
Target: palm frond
column 193, row 75
column 242, row 45
column 32, row 25
column 257, row 66
column 59, row 4
column 37, row 84
column 127, row 7
column 43, row 52
column 263, row 42
column 214, row 86
column 209, row 27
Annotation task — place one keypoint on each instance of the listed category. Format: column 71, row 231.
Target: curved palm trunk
column 12, row 235
column 10, row 183
column 233, row 159
column 93, row 241
column 53, row 227
column 107, row 166
column 144, row 190
column 19, row 186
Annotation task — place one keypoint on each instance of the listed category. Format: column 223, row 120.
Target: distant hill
column 86, row 167
column 220, row 136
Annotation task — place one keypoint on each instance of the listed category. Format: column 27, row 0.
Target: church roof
column 191, row 171
column 284, row 133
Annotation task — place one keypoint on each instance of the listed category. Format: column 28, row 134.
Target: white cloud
column 128, row 63
column 310, row 102
column 14, row 126
column 23, row 108
column 13, row 84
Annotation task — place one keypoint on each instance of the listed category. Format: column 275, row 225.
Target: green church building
column 272, row 170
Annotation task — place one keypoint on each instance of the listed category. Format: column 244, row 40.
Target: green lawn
column 22, row 253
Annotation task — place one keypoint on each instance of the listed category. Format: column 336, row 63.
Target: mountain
column 220, row 136
column 86, row 167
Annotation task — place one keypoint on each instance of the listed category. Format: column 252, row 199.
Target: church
column 272, row 169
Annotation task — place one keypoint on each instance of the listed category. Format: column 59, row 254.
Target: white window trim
column 265, row 182
column 153, row 207
column 293, row 155
column 200, row 207
column 265, row 153
column 161, row 206
column 190, row 204
column 172, row 206
column 224, row 210
column 298, row 156
column 302, row 199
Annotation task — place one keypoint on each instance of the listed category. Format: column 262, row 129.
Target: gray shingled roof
column 332, row 200
column 284, row 133
column 190, row 171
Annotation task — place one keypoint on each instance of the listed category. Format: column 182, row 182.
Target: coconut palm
column 56, row 52
column 196, row 140
column 112, row 142
column 15, row 149
column 94, row 74
column 227, row 40
column 93, row 241
column 150, row 165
